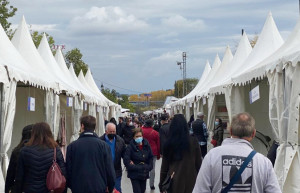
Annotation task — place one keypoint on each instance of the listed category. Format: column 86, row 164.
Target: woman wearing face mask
column 138, row 160
column 218, row 133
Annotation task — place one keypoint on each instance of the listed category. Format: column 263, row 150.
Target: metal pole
column 184, row 72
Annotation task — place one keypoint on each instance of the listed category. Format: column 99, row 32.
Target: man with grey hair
column 117, row 146
column 200, row 131
column 222, row 163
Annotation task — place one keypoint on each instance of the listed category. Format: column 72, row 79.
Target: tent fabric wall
column 8, row 114
column 100, row 126
column 211, row 112
column 234, row 98
column 287, row 162
column 76, row 114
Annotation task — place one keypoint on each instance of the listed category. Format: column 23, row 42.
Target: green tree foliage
column 110, row 95
column 74, row 57
column 190, row 84
column 37, row 37
column 124, row 102
column 114, row 96
column 6, row 11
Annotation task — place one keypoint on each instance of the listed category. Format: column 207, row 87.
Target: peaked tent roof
column 23, row 42
column 192, row 94
column 289, row 51
column 81, row 78
column 215, row 77
column 17, row 67
column 89, row 96
column 243, row 50
column 53, row 67
column 268, row 41
column 90, row 80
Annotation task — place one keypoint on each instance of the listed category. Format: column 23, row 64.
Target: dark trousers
column 138, row 186
column 203, row 150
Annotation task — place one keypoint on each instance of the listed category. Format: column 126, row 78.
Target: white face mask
column 130, row 124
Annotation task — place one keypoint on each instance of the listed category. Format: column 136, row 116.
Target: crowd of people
column 93, row 163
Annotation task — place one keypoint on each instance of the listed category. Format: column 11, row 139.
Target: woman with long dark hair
column 35, row 159
column 181, row 156
column 12, row 167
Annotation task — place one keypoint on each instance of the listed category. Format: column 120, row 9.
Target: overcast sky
column 132, row 45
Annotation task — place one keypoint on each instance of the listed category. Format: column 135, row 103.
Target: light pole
column 182, row 66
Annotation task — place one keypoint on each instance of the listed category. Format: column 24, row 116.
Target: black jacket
column 119, row 128
column 218, row 135
column 142, row 159
column 89, row 165
column 198, row 130
column 127, row 133
column 163, row 135
column 33, row 165
column 119, row 153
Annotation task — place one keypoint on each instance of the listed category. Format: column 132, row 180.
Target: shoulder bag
column 56, row 182
column 239, row 172
column 167, row 183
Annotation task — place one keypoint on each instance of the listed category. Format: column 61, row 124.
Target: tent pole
column 1, row 126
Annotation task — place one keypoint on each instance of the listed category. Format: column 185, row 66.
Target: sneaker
column 152, row 187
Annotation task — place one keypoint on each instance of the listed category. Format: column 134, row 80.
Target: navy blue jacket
column 119, row 153
column 89, row 165
column 142, row 159
column 33, row 166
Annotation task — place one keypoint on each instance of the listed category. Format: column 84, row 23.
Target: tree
column 190, row 85
column 74, row 57
column 37, row 37
column 6, row 12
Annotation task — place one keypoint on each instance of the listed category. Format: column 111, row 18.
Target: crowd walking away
column 93, row 164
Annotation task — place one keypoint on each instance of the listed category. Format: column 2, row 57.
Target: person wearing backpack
column 35, row 160
column 223, row 169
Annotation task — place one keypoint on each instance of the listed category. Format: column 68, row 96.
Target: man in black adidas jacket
column 89, row 162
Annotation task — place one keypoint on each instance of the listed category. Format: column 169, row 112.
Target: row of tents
column 264, row 81
column 36, row 86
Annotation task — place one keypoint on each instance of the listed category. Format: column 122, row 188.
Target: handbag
column 239, row 172
column 167, row 183
column 56, row 182
column 213, row 142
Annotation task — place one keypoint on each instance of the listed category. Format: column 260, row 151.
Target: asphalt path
column 126, row 184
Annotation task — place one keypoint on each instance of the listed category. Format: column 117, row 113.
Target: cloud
column 169, row 56
column 180, row 23
column 106, row 20
column 40, row 28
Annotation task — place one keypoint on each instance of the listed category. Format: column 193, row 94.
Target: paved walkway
column 126, row 184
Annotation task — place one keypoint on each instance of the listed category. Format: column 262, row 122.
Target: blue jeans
column 118, row 184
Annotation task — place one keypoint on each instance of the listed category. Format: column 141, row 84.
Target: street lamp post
column 182, row 66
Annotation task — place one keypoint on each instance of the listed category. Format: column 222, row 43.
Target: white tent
column 44, row 99
column 268, row 41
column 190, row 97
column 282, row 69
column 18, row 70
column 242, row 52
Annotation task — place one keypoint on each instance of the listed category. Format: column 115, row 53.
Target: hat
column 164, row 117
column 200, row 114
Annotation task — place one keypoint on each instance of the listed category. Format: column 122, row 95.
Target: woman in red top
column 152, row 137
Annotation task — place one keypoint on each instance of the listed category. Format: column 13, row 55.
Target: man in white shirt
column 221, row 163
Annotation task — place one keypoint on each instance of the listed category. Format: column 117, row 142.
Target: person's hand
column 131, row 162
